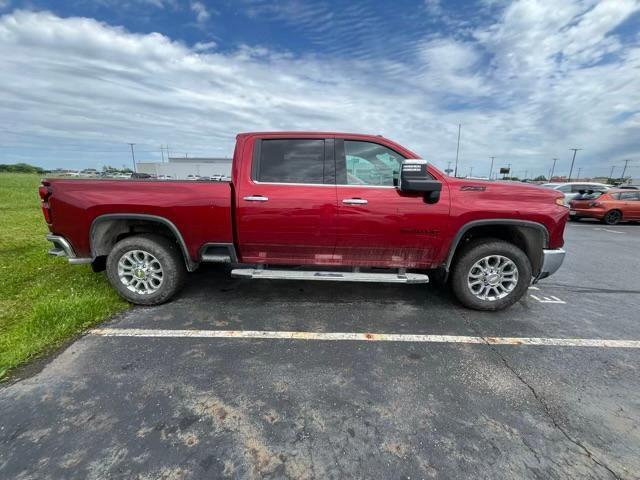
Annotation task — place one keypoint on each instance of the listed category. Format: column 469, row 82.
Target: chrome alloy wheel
column 140, row 272
column 492, row 278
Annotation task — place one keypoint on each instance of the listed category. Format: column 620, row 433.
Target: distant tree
column 540, row 178
column 20, row 168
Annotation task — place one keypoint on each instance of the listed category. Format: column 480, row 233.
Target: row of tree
column 20, row 168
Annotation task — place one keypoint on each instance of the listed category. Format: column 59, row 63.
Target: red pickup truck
column 313, row 206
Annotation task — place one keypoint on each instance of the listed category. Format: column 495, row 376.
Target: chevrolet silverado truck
column 313, row 206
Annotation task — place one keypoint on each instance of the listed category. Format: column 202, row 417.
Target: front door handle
column 256, row 198
column 355, row 201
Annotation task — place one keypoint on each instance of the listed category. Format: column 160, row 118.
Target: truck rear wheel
column 490, row 274
column 146, row 269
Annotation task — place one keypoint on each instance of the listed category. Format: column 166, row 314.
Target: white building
column 179, row 167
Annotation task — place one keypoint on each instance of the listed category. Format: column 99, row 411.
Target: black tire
column 612, row 217
column 574, row 219
column 167, row 255
column 477, row 250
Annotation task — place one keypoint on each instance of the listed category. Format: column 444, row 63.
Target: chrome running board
column 399, row 277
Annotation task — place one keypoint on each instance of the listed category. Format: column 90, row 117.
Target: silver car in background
column 573, row 189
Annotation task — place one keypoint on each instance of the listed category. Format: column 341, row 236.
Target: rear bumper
column 551, row 262
column 62, row 248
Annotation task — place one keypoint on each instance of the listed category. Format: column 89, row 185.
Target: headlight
column 560, row 201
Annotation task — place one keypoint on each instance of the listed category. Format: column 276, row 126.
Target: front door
column 286, row 202
column 377, row 224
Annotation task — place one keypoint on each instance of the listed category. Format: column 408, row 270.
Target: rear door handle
column 355, row 201
column 255, row 198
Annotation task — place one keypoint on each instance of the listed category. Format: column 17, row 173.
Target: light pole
column 553, row 167
column 457, row 150
column 611, row 174
column 624, row 170
column 133, row 157
column 579, row 170
column 491, row 167
column 575, row 150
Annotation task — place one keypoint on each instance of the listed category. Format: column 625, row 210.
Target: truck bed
column 201, row 211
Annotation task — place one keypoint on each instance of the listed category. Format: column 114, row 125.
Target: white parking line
column 547, row 299
column 609, row 230
column 365, row 337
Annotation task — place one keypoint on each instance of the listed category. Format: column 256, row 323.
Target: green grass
column 43, row 300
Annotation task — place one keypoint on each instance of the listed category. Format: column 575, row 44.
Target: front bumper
column 62, row 248
column 551, row 262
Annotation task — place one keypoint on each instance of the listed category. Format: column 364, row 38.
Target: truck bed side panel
column 200, row 210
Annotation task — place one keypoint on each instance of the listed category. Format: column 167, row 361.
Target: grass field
column 43, row 300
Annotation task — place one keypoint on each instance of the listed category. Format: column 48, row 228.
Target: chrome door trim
column 355, row 201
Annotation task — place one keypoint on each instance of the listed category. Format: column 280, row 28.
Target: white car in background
column 573, row 189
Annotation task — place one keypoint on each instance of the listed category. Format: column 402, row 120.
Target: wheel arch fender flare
column 498, row 222
column 110, row 217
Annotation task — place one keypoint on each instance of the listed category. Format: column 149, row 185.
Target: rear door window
column 291, row 161
column 629, row 196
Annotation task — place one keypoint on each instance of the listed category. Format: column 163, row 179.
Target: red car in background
column 614, row 206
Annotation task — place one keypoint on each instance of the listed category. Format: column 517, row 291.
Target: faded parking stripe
column 364, row 337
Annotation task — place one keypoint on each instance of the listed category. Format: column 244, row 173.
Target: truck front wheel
column 146, row 269
column 490, row 274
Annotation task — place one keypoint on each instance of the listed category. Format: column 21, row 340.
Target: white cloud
column 202, row 14
column 203, row 46
column 528, row 87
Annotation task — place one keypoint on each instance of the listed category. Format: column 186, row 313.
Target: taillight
column 45, row 192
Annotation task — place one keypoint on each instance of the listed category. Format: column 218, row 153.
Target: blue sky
column 527, row 79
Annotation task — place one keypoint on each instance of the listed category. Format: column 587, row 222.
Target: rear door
column 286, row 201
column 630, row 204
column 377, row 224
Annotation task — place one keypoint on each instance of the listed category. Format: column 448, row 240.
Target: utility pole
column 575, row 150
column 162, row 152
column 611, row 174
column 553, row 169
column 579, row 170
column 449, row 168
column 525, row 174
column 457, row 150
column 133, row 157
column 470, row 171
column 491, row 167
column 624, row 170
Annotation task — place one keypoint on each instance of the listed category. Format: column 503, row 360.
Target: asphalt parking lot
column 456, row 398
